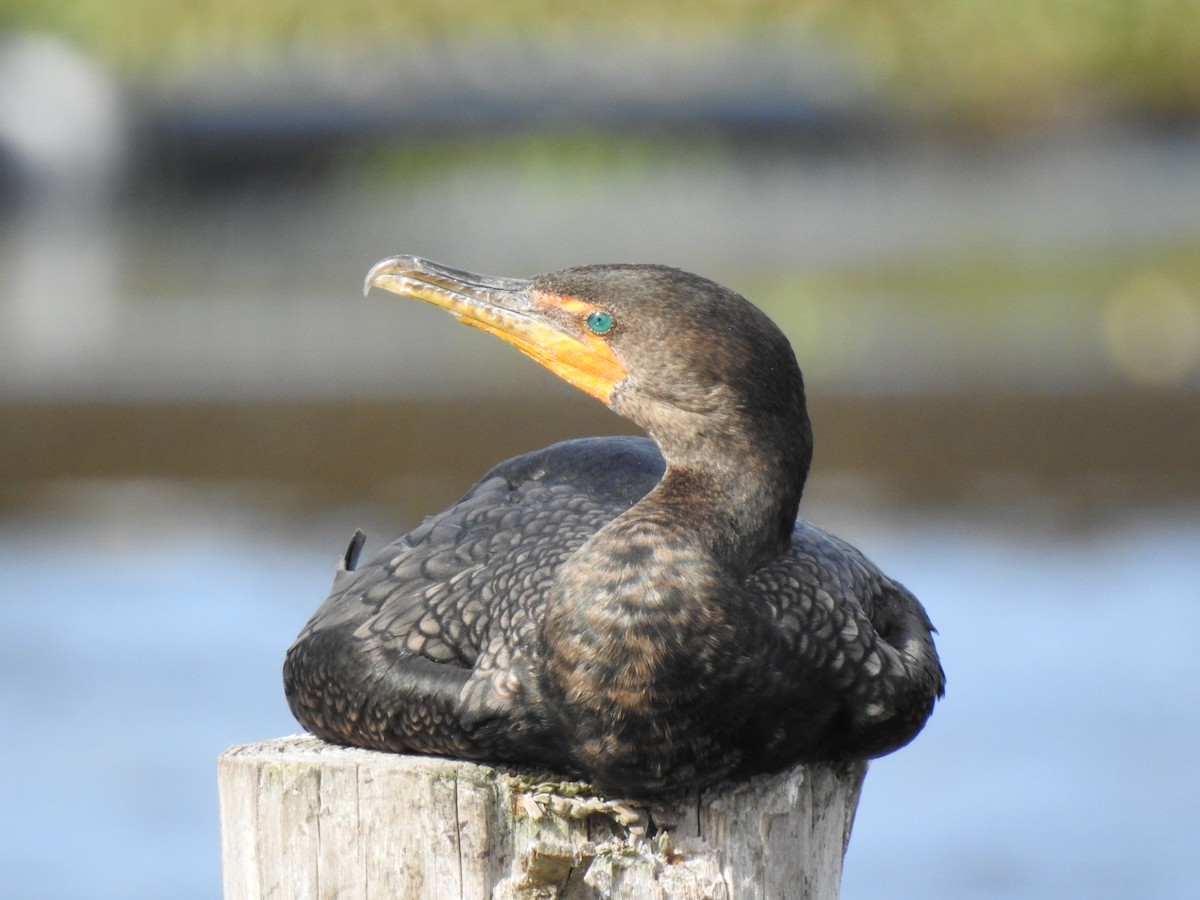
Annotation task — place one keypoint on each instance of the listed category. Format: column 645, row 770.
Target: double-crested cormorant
column 649, row 614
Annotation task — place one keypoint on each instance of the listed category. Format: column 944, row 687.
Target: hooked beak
column 546, row 326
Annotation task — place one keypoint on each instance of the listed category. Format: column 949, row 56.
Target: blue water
column 141, row 633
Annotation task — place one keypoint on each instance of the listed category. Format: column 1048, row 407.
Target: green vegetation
column 983, row 64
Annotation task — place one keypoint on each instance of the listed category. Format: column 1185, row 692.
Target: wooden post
column 302, row 819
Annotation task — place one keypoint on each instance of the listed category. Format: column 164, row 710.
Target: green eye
column 600, row 322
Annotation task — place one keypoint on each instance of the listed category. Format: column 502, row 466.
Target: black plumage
column 647, row 613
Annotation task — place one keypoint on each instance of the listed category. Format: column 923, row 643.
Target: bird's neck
column 733, row 491
column 739, row 523
column 736, row 463
column 717, row 515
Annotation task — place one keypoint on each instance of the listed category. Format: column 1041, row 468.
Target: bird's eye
column 600, row 322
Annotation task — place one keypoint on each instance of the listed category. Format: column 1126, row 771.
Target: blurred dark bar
column 919, row 448
column 304, row 113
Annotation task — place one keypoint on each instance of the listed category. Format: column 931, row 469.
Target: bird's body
column 649, row 614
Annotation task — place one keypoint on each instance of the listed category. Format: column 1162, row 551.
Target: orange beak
column 547, row 327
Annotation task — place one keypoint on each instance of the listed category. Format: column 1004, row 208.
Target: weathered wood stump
column 304, row 819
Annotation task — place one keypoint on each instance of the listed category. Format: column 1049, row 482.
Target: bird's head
column 674, row 352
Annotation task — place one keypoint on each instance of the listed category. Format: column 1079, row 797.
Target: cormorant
column 650, row 615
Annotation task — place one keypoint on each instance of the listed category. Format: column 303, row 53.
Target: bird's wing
column 851, row 643
column 437, row 591
column 428, row 635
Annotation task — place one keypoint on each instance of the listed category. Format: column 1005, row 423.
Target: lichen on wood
column 304, row 819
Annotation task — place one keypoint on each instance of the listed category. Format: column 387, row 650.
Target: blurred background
column 979, row 224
